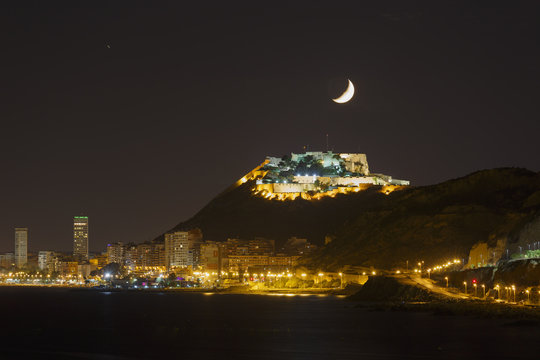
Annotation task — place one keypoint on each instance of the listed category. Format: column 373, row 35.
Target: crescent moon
column 347, row 95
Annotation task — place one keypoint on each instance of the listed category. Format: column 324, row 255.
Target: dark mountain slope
column 238, row 213
column 430, row 223
column 436, row 223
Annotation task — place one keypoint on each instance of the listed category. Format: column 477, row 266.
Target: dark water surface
column 46, row 323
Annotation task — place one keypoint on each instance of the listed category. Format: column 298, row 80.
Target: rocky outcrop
column 389, row 289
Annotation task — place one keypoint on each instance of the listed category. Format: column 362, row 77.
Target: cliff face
column 431, row 223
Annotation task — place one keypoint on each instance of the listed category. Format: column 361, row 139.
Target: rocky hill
column 430, row 223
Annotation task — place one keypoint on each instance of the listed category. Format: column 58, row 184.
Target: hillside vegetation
column 432, row 223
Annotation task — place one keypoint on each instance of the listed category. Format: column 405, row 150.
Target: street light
column 475, row 294
column 514, row 289
column 465, row 283
column 341, row 280
column 446, row 278
column 528, row 296
column 497, row 287
column 483, row 290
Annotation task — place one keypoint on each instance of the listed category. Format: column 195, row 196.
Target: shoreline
column 525, row 314
column 232, row 290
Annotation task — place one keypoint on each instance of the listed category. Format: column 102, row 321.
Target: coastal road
column 425, row 283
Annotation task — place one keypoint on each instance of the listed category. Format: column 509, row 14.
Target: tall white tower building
column 80, row 237
column 21, row 247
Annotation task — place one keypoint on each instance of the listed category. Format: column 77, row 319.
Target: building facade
column 80, row 237
column 46, row 261
column 212, row 254
column 21, row 247
column 183, row 248
column 116, row 253
column 7, row 261
column 177, row 249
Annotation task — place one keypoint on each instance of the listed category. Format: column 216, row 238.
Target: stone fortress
column 312, row 175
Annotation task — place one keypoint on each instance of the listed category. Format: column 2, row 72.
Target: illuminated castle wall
column 313, row 175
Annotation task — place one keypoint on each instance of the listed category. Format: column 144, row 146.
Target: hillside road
column 425, row 283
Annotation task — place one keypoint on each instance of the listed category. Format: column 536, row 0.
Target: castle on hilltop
column 316, row 174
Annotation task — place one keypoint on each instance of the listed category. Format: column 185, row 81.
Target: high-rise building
column 176, row 249
column 183, row 248
column 80, row 237
column 21, row 247
column 116, row 253
column 131, row 256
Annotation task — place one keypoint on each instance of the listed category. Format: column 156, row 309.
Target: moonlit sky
column 138, row 113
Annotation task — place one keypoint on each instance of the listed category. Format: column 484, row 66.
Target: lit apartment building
column 258, row 246
column 131, row 256
column 116, row 253
column 261, row 246
column 80, row 237
column 177, row 249
column 68, row 268
column 182, row 248
column 46, row 261
column 212, row 256
column 7, row 261
column 244, row 262
column 151, row 254
column 261, row 262
column 99, row 260
column 21, row 247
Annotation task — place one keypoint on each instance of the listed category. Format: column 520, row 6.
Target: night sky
column 138, row 113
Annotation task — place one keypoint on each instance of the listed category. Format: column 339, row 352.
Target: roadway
column 428, row 284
